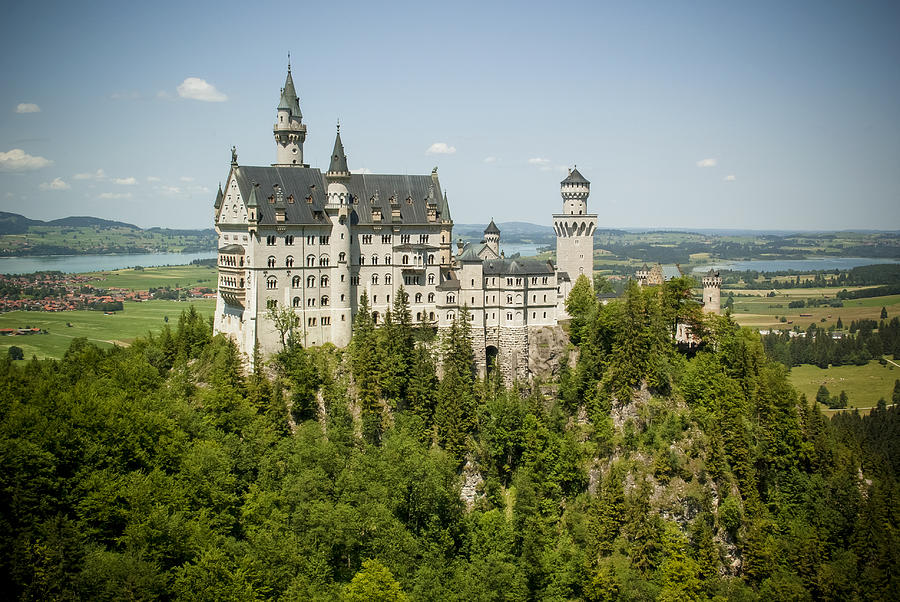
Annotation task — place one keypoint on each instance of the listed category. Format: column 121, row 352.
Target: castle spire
column 289, row 129
column 338, row 165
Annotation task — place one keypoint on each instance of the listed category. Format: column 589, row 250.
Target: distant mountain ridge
column 14, row 223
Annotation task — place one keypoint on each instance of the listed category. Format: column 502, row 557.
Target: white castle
column 293, row 237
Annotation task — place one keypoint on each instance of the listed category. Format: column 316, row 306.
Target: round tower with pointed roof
column 289, row 130
column 492, row 237
column 337, row 206
column 574, row 233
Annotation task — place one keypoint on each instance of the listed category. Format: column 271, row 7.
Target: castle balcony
column 232, row 295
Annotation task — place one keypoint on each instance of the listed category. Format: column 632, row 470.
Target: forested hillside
column 644, row 472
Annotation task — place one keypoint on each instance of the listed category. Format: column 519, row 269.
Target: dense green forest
column 643, row 472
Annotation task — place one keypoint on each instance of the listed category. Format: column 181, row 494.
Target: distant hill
column 83, row 221
column 13, row 223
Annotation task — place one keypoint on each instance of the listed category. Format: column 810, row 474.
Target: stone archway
column 490, row 358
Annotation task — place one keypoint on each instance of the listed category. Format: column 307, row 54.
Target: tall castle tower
column 337, row 206
column 492, row 237
column 575, row 228
column 289, row 130
column 712, row 287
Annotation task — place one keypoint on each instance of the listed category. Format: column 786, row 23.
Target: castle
column 293, row 237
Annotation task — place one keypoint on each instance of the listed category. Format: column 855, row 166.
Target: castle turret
column 337, row 206
column 712, row 289
column 492, row 237
column 289, row 130
column 575, row 228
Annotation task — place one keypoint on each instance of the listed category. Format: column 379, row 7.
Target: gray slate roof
column 338, row 158
column 368, row 190
column 232, row 249
column 494, row 267
column 575, row 177
column 289, row 98
column 220, row 196
column 492, row 228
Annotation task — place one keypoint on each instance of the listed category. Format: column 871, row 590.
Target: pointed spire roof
column 219, row 197
column 492, row 228
column 253, row 201
column 338, row 158
column 575, row 177
column 289, row 100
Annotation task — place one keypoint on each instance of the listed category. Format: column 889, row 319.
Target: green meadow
column 175, row 276
column 864, row 385
column 120, row 328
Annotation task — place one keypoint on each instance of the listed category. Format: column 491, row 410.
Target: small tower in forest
column 712, row 289
column 289, row 130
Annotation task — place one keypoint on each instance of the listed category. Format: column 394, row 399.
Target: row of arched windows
column 311, row 302
column 230, row 260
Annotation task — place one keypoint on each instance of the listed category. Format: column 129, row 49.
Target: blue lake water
column 94, row 263
column 802, row 265
column 524, row 249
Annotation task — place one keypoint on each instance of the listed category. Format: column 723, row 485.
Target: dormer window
column 309, row 200
column 272, row 199
column 291, row 199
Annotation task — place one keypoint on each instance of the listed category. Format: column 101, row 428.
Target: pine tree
column 580, row 305
column 884, row 314
column 364, row 359
column 840, row 325
column 397, row 346
column 454, row 416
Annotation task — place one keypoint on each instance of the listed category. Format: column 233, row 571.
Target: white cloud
column 195, row 88
column 129, row 181
column 362, row 170
column 440, row 148
column 171, row 190
column 706, row 162
column 18, row 160
column 56, row 184
column 729, row 178
column 152, row 179
column 115, row 195
column 97, row 175
column 27, row 107
column 539, row 161
column 186, row 179
column 490, row 159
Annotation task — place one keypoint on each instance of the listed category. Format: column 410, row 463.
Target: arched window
column 323, row 260
column 406, row 260
column 387, row 278
column 509, row 299
column 323, row 281
column 310, row 261
column 387, row 260
column 295, row 282
column 289, row 262
column 451, row 298
column 324, row 301
column 296, row 301
column 362, row 260
column 418, row 297
column 430, row 278
column 449, row 315
column 242, row 283
column 430, row 259
column 374, row 259
column 271, row 261
column 431, row 297
column 374, row 278
column 342, row 257
column 311, row 302
column 242, row 262
column 375, row 317
column 418, row 316
column 310, row 281
column 431, row 316
column 271, row 282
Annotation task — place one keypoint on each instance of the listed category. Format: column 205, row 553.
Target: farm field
column 183, row 276
column 864, row 385
column 137, row 319
column 762, row 312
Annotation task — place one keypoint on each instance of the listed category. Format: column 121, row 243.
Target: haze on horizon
column 757, row 116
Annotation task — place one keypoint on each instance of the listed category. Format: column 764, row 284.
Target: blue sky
column 696, row 114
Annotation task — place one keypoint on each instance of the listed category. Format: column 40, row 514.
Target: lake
column 94, row 263
column 524, row 249
column 800, row 265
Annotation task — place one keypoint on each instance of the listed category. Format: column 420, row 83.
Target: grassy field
column 172, row 276
column 864, row 385
column 104, row 330
column 760, row 311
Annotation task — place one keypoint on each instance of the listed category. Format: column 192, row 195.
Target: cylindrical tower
column 575, row 229
column 712, row 289
column 492, row 237
column 337, row 206
column 289, row 130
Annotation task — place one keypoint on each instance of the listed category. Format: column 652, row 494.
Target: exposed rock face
column 547, row 350
column 472, row 485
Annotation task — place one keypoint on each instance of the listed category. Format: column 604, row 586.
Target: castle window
column 430, row 259
column 430, row 278
column 310, row 261
column 386, row 239
column 354, row 280
column 310, row 240
column 374, row 259
column 418, row 316
column 271, row 261
column 296, row 301
column 310, row 281
column 323, row 240
column 342, row 257
column 545, row 314
column 309, row 200
column 431, row 316
column 270, row 240
column 404, row 239
column 291, row 197
column 310, row 321
column 295, row 282
column 289, row 239
column 366, row 239
column 311, row 302
column 544, row 280
column 545, row 299
column 509, row 316
column 449, row 315
column 387, row 299
column 387, row 260
column 406, row 260
column 431, row 297
column 326, row 321
column 323, row 260
column 423, row 239
column 387, row 278
column 533, row 315
column 534, row 280
column 509, row 282
column 362, row 260
column 323, row 282
column 374, row 278
column 271, row 282
column 509, row 299
column 289, row 261
column 343, row 298
column 418, row 297
column 271, row 303
column 324, row 301
column 451, row 298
